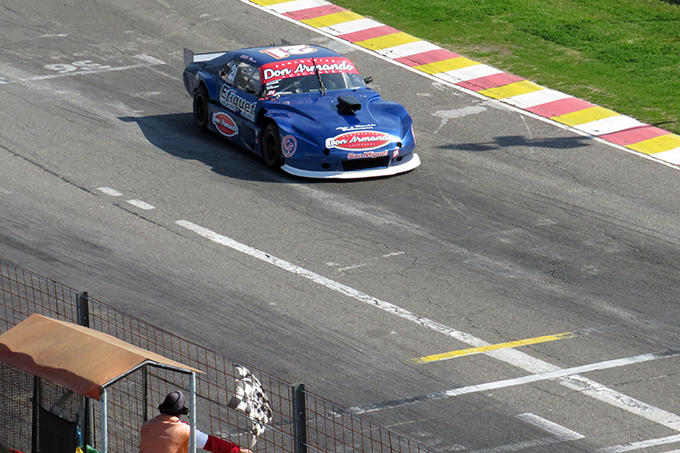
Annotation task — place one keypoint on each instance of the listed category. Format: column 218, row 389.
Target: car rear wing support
column 191, row 57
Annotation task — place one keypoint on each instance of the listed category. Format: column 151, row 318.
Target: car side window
column 228, row 72
column 247, row 78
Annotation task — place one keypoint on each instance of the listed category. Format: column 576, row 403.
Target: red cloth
column 217, row 445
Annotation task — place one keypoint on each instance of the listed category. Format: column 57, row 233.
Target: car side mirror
column 368, row 80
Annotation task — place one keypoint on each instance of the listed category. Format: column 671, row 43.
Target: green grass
column 620, row 54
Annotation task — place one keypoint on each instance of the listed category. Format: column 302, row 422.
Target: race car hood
column 321, row 116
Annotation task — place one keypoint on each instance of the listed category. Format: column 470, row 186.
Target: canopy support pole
column 104, row 409
column 192, row 412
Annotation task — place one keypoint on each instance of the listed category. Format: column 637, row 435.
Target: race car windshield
column 310, row 84
column 281, row 78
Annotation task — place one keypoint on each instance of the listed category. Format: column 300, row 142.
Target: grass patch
column 620, row 54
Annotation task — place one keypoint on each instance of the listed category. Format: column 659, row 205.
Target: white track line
column 571, row 373
column 641, row 444
column 510, row 356
column 560, row 434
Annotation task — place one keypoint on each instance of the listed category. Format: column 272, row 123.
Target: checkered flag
column 252, row 401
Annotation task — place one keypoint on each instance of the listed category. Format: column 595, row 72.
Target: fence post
column 83, row 313
column 299, row 418
column 83, row 309
column 35, row 401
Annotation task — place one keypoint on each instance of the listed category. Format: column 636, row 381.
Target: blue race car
column 302, row 108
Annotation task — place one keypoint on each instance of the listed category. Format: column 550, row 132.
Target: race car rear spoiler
column 191, row 57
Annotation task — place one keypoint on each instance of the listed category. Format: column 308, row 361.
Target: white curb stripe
column 471, row 72
column 297, row 5
column 672, row 156
column 528, row 100
column 351, row 26
column 609, row 125
column 406, row 50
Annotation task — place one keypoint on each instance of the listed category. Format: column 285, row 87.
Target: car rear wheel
column 201, row 99
column 271, row 146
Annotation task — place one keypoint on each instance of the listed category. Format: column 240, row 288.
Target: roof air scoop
column 348, row 105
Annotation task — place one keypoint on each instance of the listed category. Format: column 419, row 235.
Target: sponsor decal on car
column 288, row 145
column 367, row 155
column 297, row 68
column 231, row 100
column 358, row 127
column 225, row 124
column 361, row 140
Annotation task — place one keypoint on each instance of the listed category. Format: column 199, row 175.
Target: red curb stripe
column 634, row 135
column 560, row 107
column 313, row 13
column 431, row 56
column 370, row 33
column 492, row 81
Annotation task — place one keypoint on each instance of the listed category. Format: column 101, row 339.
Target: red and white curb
column 447, row 66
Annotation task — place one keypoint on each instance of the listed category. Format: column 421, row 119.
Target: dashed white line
column 110, row 191
column 141, row 204
column 393, row 254
column 134, row 202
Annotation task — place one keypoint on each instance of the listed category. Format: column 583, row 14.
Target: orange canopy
column 75, row 357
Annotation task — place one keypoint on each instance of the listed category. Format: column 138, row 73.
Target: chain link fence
column 301, row 421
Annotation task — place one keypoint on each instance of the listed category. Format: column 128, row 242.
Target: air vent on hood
column 347, row 105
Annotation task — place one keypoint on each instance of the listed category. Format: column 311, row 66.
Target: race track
column 516, row 292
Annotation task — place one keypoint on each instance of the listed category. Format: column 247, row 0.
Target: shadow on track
column 518, row 140
column 177, row 135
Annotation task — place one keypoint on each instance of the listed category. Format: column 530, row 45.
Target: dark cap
column 174, row 404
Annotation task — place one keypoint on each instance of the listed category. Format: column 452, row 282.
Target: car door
column 239, row 95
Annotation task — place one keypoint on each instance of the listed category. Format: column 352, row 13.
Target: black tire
column 271, row 146
column 201, row 114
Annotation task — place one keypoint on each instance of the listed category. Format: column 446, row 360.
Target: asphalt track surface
column 517, row 292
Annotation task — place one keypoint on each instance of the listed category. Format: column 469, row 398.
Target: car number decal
column 287, row 51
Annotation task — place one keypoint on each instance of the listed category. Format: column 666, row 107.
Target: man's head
column 174, row 404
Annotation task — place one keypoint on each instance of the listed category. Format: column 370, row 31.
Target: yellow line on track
column 493, row 347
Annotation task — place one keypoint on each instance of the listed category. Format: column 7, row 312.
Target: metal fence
column 301, row 421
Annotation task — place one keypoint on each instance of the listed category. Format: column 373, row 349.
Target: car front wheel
column 271, row 146
column 201, row 116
